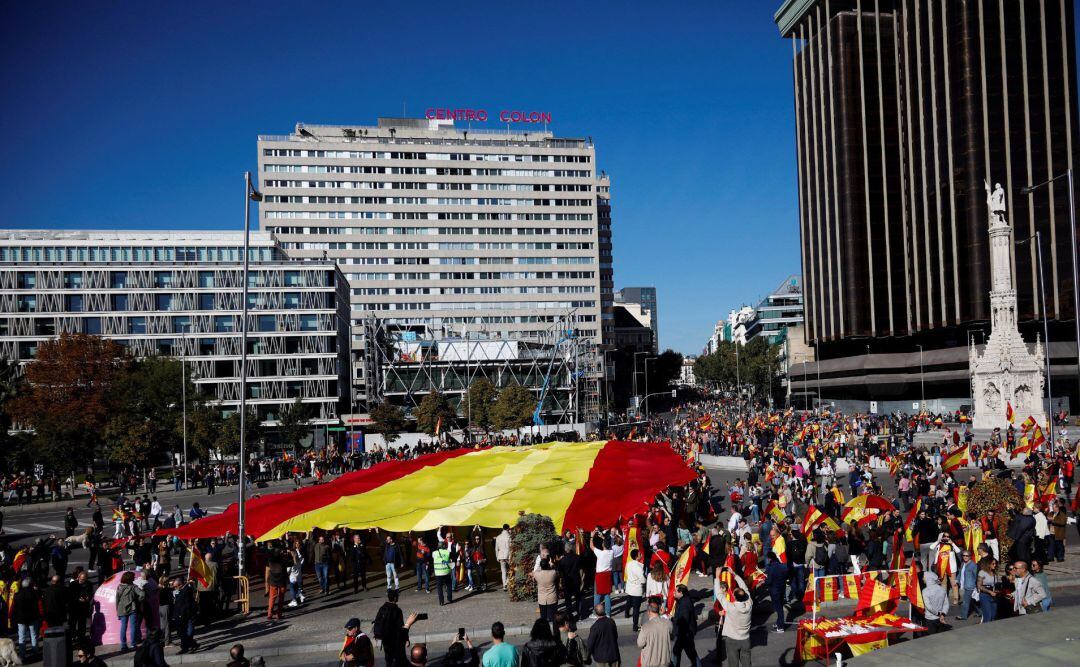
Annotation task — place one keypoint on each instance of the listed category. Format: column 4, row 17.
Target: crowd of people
column 761, row 540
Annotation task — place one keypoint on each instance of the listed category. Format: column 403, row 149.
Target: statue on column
column 995, row 199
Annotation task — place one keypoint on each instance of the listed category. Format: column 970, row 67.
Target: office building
column 448, row 233
column 904, row 110
column 632, row 331
column 781, row 310
column 645, row 299
column 179, row 294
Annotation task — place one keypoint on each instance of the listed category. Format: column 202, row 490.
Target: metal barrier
column 243, row 593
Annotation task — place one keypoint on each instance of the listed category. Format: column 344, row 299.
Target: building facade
column 447, row 232
column 905, row 111
column 180, row 295
column 645, row 299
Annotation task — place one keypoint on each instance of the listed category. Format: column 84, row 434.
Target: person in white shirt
column 155, row 514
column 733, row 522
column 602, row 583
column 634, row 572
column 502, row 552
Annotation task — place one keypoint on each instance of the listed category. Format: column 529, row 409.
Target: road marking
column 44, row 526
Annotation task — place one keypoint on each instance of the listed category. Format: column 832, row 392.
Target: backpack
column 577, row 654
column 821, row 556
column 378, row 627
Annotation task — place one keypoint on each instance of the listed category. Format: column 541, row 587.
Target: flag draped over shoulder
column 19, row 560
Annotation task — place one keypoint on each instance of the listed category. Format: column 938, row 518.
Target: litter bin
column 56, row 650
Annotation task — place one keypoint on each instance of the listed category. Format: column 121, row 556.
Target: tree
column 147, row 423
column 68, row 397
column 10, row 385
column 755, row 365
column 228, row 441
column 479, row 402
column 204, row 428
column 388, row 419
column 433, row 410
column 514, row 407
column 293, row 423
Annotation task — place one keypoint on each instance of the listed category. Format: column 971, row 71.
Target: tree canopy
column 435, row 409
column 389, row 420
column 514, row 407
column 755, row 365
column 479, row 402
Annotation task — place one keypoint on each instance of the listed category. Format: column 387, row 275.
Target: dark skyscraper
column 904, row 108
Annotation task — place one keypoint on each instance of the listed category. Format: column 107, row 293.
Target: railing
column 437, row 141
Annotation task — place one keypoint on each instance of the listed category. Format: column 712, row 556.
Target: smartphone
column 461, row 634
column 421, row 617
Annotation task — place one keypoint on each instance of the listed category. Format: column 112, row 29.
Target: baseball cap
column 352, row 623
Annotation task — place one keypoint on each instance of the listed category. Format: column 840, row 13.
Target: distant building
column 631, row 334
column 780, row 310
column 179, row 294
column 686, row 374
column 645, row 299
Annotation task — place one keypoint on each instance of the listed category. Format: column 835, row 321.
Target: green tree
column 68, row 397
column 389, row 420
column 293, row 423
column 228, row 441
column 204, row 428
column 145, row 427
column 755, row 365
column 514, row 407
column 432, row 409
column 479, row 402
column 10, row 384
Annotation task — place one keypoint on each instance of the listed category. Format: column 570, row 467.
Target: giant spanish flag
column 577, row 484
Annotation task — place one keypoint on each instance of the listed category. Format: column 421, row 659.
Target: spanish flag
column 913, row 592
column 837, row 494
column 962, row 493
column 955, row 459
column 438, row 425
column 1010, row 416
column 875, row 596
column 814, row 518
column 19, row 560
column 706, row 423
column 894, row 465
column 1037, row 437
column 779, row 547
column 909, row 523
column 897, row 556
column 1049, row 492
column 772, row 508
column 862, row 644
column 1028, row 424
column 631, row 542
column 973, row 535
column 1022, row 446
column 680, row 575
column 870, row 501
column 199, row 570
column 1029, row 496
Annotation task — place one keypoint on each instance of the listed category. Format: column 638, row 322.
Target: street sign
column 873, row 407
column 915, row 405
column 336, row 429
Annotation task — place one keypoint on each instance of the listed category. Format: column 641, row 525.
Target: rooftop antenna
column 403, row 109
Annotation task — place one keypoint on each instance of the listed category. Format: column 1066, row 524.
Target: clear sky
column 144, row 116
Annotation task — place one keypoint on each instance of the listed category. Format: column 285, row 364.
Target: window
column 182, row 324
column 118, row 279
column 92, row 326
column 292, row 299
column 164, row 301
column 206, row 278
column 119, row 301
column 163, row 279
column 206, row 302
column 223, row 323
column 309, row 323
column 206, row 346
column 44, row 326
column 26, row 280
column 73, row 280
column 266, row 323
column 293, row 279
column 165, row 347
column 73, row 303
column 137, row 325
column 27, row 303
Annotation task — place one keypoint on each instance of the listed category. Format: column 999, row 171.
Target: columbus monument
column 1006, row 371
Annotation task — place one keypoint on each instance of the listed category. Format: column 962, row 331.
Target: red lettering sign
column 481, row 115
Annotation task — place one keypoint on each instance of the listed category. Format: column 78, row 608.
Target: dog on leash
column 9, row 657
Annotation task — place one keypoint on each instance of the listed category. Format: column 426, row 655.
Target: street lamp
column 250, row 195
column 1076, row 283
column 183, row 399
column 636, row 373
column 647, row 360
column 922, row 384
column 1046, row 332
column 738, row 378
column 805, row 392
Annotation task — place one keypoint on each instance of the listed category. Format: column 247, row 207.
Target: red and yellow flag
column 1022, row 446
column 837, row 494
column 875, row 596
column 772, row 508
column 1010, row 416
column 861, row 644
column 779, row 547
column 680, row 575
column 199, row 570
column 814, row 518
column 1028, row 424
column 631, row 542
column 19, row 560
column 954, row 459
column 1037, row 437
column 909, row 523
column 913, row 592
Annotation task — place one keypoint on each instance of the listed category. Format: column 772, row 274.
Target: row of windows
column 78, row 303
column 412, row 185
column 180, row 324
column 427, row 171
column 475, row 305
column 134, row 254
column 477, row 275
column 545, row 289
column 436, row 231
column 411, row 155
column 414, row 215
column 28, row 280
column 422, row 245
column 489, row 319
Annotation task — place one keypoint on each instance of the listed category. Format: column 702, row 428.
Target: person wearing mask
column 736, row 632
column 542, row 650
column 129, row 599
column 635, row 587
column 502, row 552
column 500, row 654
column 603, row 643
column 654, row 638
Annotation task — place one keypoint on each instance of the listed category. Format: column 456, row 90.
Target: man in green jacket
column 442, row 569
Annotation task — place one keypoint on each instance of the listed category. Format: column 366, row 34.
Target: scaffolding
column 404, row 362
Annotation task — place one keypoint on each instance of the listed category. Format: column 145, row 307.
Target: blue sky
column 145, row 116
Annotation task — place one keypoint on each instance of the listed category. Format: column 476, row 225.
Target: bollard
column 56, row 649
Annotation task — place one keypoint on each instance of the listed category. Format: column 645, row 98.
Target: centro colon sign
column 481, row 115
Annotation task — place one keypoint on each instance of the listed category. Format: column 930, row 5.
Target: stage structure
column 408, row 361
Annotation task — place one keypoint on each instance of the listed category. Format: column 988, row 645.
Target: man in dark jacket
column 26, row 615
column 80, row 603
column 776, row 581
column 392, row 629
column 1022, row 532
column 684, row 627
column 358, row 559
column 603, row 641
column 570, row 574
column 391, row 560
column 183, row 614
column 55, row 602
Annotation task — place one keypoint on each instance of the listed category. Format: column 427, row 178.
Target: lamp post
column 1046, row 332
column 183, row 399
column 250, row 195
column 647, row 360
column 1076, row 283
column 738, row 377
column 922, row 384
column 805, row 393
column 636, row 374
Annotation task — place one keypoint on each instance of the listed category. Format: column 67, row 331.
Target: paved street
column 311, row 634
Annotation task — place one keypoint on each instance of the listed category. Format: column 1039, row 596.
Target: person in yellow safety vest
column 441, row 566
